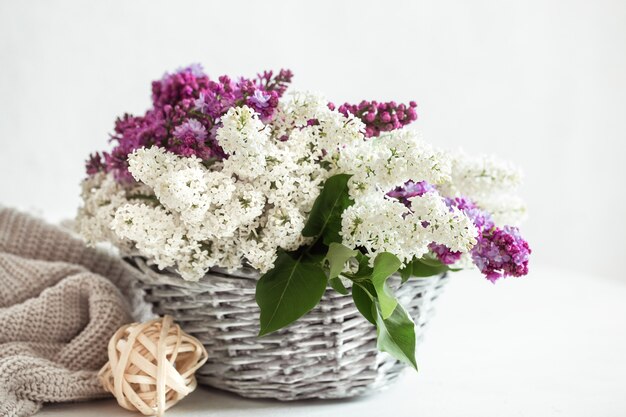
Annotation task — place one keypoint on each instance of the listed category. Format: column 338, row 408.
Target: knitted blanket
column 60, row 302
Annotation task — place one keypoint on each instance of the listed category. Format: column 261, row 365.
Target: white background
column 542, row 83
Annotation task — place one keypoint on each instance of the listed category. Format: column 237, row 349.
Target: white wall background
column 540, row 82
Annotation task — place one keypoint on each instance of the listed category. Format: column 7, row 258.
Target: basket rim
column 142, row 263
column 149, row 274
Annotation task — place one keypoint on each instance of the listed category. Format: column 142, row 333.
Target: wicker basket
column 329, row 353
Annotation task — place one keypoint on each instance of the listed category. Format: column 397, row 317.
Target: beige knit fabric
column 59, row 306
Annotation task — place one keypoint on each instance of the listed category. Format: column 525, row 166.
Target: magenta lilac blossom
column 186, row 112
column 381, row 117
column 500, row 252
column 444, row 254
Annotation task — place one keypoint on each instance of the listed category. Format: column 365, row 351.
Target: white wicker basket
column 329, row 353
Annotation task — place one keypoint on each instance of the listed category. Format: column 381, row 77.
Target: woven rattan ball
column 151, row 365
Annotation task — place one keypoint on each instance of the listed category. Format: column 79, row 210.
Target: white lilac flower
column 444, row 225
column 480, row 178
column 245, row 138
column 505, row 209
column 377, row 224
column 308, row 121
column 392, row 160
column 156, row 233
column 102, row 195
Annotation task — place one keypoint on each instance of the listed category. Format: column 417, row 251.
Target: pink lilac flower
column 380, row 117
column 186, row 112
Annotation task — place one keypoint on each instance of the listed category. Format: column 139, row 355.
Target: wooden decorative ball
column 151, row 365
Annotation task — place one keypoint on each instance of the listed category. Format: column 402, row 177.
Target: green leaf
column 420, row 268
column 288, row 291
column 430, row 260
column 385, row 264
column 396, row 334
column 406, row 272
column 325, row 216
column 338, row 285
column 365, row 270
column 337, row 257
column 363, row 301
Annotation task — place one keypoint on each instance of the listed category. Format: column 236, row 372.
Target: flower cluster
column 392, row 160
column 378, row 224
column 241, row 209
column 186, row 113
column 405, row 220
column 499, row 252
column 380, row 117
column 221, row 173
column 490, row 183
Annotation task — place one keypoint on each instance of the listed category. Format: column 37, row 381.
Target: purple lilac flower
column 186, row 112
column 481, row 219
column 190, row 129
column 444, row 254
column 279, row 82
column 264, row 103
column 260, row 99
column 94, row 164
column 499, row 252
column 179, row 87
column 410, row 189
column 196, row 69
column 380, row 117
column 189, row 139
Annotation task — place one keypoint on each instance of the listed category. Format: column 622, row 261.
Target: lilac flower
column 174, row 89
column 481, row 219
column 189, row 139
column 200, row 104
column 196, row 69
column 279, row 82
column 499, row 252
column 187, row 107
column 380, row 117
column 260, row 99
column 444, row 254
column 190, row 130
column 410, row 189
column 94, row 164
column 264, row 103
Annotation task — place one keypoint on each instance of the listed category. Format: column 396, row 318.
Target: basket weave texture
column 328, row 353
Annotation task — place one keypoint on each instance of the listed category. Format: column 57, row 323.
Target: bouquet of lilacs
column 228, row 173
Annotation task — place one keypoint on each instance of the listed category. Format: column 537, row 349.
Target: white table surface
column 550, row 344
